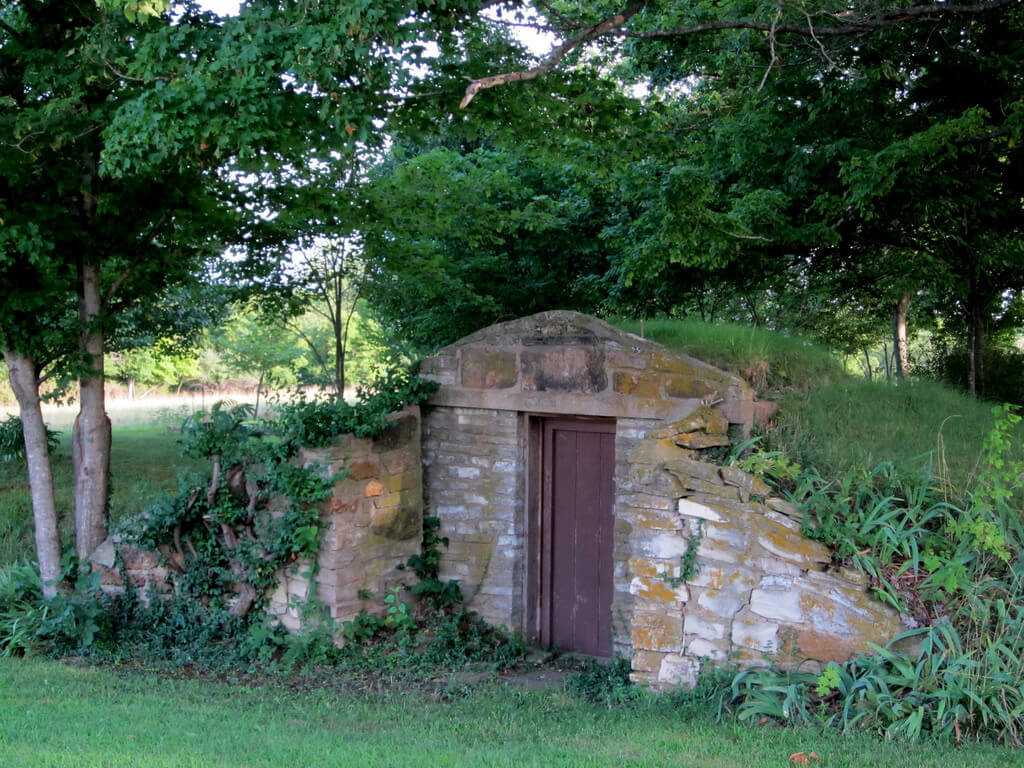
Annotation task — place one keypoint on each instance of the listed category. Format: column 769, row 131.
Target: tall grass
column 773, row 363
column 852, row 423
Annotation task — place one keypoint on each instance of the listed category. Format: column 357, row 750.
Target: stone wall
column 373, row 519
column 474, row 483
column 762, row 590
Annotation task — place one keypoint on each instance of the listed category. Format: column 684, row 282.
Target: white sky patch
column 221, row 7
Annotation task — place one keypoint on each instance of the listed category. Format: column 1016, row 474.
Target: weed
column 607, row 683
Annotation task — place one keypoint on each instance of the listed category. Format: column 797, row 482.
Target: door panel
column 576, row 531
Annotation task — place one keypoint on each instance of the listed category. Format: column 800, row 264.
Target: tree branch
column 557, row 54
column 849, row 27
column 846, row 25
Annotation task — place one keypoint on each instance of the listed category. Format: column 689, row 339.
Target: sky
column 539, row 43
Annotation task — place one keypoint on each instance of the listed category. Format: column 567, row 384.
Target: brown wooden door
column 576, row 535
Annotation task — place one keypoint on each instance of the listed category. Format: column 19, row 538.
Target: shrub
column 12, row 439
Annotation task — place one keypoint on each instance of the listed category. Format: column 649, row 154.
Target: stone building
column 563, row 458
column 568, row 464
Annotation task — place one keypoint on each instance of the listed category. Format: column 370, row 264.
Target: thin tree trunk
column 901, row 348
column 867, row 364
column 975, row 339
column 91, row 435
column 25, row 383
column 259, row 386
column 888, row 362
column 339, row 364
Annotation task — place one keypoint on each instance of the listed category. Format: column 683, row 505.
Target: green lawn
column 144, row 462
column 55, row 715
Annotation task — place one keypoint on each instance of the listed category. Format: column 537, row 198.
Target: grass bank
column 856, row 423
column 771, row 362
column 834, row 421
column 55, row 715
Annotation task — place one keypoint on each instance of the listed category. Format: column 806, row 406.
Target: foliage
column 440, row 633
column 317, row 422
column 439, row 595
column 689, row 565
column 12, row 439
column 603, row 683
column 233, row 535
column 71, row 621
column 957, row 567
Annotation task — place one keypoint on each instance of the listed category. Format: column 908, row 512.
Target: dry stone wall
column 474, row 483
column 762, row 590
column 373, row 522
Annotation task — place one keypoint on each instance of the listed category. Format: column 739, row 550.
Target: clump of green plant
column 227, row 535
column 12, row 439
column 69, row 622
column 956, row 566
column 603, row 683
column 437, row 632
column 774, row 467
column 318, row 421
column 689, row 565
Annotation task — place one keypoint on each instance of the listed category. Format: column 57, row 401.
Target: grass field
column 144, row 462
column 53, row 715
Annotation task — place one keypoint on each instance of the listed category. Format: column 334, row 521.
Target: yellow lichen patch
column 789, row 545
column 656, row 589
column 656, row 519
column 647, row 661
column 666, row 635
column 647, row 568
column 373, row 488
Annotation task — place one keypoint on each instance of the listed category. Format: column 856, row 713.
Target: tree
column 870, row 152
column 139, row 143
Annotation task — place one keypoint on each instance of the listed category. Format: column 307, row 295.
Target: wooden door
column 576, row 527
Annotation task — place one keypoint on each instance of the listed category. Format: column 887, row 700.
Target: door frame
column 538, row 603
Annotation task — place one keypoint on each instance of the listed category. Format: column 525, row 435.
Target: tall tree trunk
column 899, row 336
column 90, row 444
column 25, row 383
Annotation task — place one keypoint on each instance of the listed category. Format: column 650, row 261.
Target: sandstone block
column 678, row 670
column 488, row 367
column 689, row 508
column 702, row 628
column 635, row 384
column 705, row 649
column 778, row 605
column 564, row 369
column 760, row 636
column 721, row 603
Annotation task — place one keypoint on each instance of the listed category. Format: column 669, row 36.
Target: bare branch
column 556, row 55
column 847, row 28
column 771, row 40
